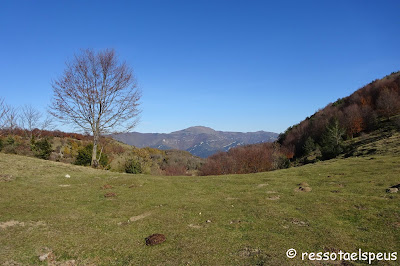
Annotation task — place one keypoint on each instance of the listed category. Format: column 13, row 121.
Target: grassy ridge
column 254, row 218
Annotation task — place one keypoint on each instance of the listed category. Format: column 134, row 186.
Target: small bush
column 10, row 149
column 10, row 141
column 175, row 170
column 283, row 162
column 42, row 148
column 10, row 145
column 133, row 167
column 84, row 156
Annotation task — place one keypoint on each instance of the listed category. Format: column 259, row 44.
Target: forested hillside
column 326, row 134
column 361, row 112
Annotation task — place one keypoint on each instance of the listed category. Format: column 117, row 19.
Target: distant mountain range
column 199, row 141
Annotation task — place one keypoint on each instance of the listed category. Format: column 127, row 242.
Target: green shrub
column 1, row 144
column 10, row 145
column 42, row 148
column 309, row 146
column 332, row 140
column 84, row 156
column 283, row 162
column 133, row 166
column 339, row 102
column 10, row 141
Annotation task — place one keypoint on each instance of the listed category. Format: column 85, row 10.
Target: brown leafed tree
column 388, row 103
column 353, row 119
column 98, row 94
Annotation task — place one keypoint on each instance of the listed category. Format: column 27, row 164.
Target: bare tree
column 32, row 122
column 388, row 103
column 10, row 120
column 3, row 112
column 98, row 94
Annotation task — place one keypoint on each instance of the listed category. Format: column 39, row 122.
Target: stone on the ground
column 155, row 239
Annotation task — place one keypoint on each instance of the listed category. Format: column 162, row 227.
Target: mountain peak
column 197, row 130
column 198, row 140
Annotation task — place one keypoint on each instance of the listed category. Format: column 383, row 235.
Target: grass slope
column 254, row 218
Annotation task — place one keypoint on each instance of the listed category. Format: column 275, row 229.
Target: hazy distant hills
column 199, row 141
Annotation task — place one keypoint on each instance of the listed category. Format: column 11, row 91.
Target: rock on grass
column 155, row 239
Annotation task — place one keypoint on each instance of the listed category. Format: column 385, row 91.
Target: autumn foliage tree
column 353, row 120
column 388, row 103
column 98, row 94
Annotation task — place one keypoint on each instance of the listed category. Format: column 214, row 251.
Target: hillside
column 371, row 113
column 76, row 149
column 373, row 107
column 101, row 218
column 199, row 141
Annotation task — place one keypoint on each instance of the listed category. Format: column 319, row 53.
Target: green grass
column 347, row 209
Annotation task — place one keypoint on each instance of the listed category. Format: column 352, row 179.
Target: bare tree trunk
column 95, row 162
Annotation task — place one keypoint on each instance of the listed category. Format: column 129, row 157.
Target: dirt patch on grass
column 274, row 197
column 249, row 252
column 50, row 257
column 110, row 195
column 262, row 185
column 139, row 217
column 195, row 226
column 299, row 223
column 303, row 187
column 12, row 223
column 6, row 178
column 107, row 186
column 360, row 207
column 11, row 263
column 255, row 256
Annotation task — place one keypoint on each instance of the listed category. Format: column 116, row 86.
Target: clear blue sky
column 230, row 65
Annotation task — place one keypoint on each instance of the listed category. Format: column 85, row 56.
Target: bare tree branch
column 33, row 123
column 3, row 113
column 10, row 119
column 97, row 93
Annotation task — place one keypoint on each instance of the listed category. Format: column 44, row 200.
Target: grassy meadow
column 98, row 217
